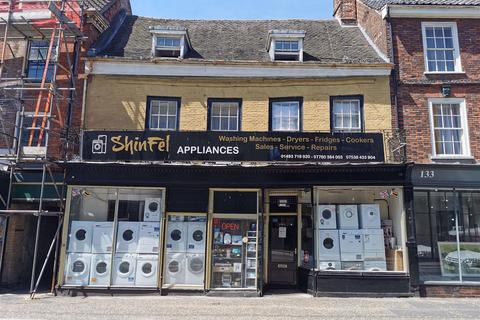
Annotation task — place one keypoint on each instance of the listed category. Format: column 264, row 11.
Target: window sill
column 430, row 73
column 460, row 157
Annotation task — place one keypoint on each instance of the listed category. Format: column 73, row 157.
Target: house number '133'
column 427, row 174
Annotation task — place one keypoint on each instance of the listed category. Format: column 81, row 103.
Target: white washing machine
column 124, row 270
column 196, row 237
column 176, row 237
column 328, row 245
column 149, row 237
column 153, row 210
column 195, row 272
column 100, row 270
column 78, row 269
column 175, row 268
column 351, row 245
column 370, row 216
column 102, row 237
column 374, row 244
column 375, row 266
column 347, row 217
column 147, row 271
column 326, row 217
column 329, row 265
column 80, row 238
column 127, row 237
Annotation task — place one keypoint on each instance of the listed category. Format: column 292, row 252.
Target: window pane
column 429, row 31
column 163, row 115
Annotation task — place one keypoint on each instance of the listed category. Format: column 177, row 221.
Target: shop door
column 283, row 251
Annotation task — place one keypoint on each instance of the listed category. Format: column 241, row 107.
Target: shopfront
column 446, row 202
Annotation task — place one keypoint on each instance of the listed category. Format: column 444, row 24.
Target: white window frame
column 149, row 115
column 160, row 32
column 456, row 51
column 466, row 139
column 360, row 115
column 221, row 103
column 299, row 120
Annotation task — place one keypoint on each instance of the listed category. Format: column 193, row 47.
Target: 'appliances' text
column 208, row 150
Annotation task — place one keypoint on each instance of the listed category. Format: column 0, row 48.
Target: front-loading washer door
column 148, row 269
column 174, row 267
column 176, row 235
column 328, row 243
column 79, row 267
column 101, row 268
column 196, row 265
column 125, row 269
column 327, row 214
column 128, row 235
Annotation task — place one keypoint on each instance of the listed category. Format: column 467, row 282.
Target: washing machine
column 347, row 217
column 374, row 244
column 329, row 265
column 149, row 237
column 80, row 237
column 175, row 268
column 127, row 237
column 177, row 236
column 153, row 210
column 195, row 272
column 124, row 270
column 370, row 216
column 351, row 245
column 78, row 269
column 326, row 216
column 328, row 245
column 102, row 237
column 100, row 270
column 375, row 266
column 147, row 270
column 352, row 266
column 196, row 237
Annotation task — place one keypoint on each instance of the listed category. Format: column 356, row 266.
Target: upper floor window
column 224, row 115
column 162, row 113
column 168, row 47
column 285, row 115
column 441, row 48
column 37, row 61
column 169, row 42
column 346, row 114
column 286, row 45
column 449, row 127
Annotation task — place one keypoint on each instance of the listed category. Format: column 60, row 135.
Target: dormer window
column 286, row 45
column 169, row 42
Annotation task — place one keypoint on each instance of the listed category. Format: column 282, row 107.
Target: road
column 289, row 306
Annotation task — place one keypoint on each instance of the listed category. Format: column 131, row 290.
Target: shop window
column 186, row 240
column 449, row 239
column 359, row 229
column 441, row 49
column 97, row 216
column 285, row 114
column 224, row 115
column 162, row 113
column 37, row 61
column 235, row 202
column 347, row 114
column 187, row 199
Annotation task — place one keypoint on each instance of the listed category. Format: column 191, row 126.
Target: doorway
column 283, row 251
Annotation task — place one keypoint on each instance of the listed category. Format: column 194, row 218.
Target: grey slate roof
column 379, row 4
column 99, row 5
column 326, row 42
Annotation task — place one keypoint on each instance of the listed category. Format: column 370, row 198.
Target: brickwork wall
column 450, row 291
column 374, row 25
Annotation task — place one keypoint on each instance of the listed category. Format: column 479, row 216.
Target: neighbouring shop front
column 213, row 227
column 446, row 203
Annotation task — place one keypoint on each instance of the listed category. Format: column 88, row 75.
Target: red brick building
column 434, row 46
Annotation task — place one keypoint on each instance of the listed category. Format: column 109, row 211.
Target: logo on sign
column 99, row 145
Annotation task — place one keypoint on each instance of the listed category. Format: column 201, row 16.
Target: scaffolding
column 42, row 105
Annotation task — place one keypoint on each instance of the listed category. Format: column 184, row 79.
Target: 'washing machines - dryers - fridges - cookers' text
column 81, row 237
column 100, row 270
column 176, row 237
column 175, row 269
column 351, row 245
column 78, row 269
column 329, row 265
column 102, row 237
column 196, row 237
column 326, row 217
column 370, row 216
column 328, row 245
column 124, row 270
column 127, row 237
column 347, row 217
column 147, row 271
column 374, row 244
column 195, row 272
column 149, row 238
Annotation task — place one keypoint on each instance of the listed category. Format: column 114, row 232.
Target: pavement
column 276, row 306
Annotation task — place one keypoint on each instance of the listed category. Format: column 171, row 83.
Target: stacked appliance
column 79, row 257
column 148, row 254
column 349, row 237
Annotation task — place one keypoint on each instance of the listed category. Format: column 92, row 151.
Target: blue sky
column 233, row 9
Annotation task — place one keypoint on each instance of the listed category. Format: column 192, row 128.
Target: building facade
column 433, row 46
column 237, row 156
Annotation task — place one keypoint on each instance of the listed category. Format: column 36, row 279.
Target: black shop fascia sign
column 232, row 146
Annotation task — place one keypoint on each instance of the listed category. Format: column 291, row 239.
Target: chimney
column 345, row 11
